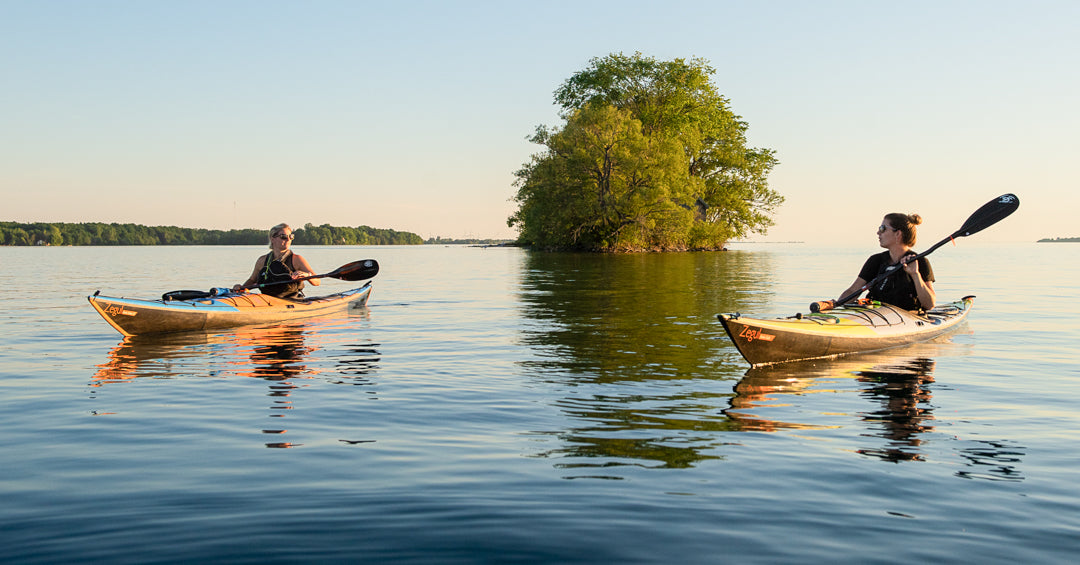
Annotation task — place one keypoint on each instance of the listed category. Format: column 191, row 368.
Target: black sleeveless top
column 275, row 271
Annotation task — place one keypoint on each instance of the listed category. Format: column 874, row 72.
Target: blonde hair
column 276, row 230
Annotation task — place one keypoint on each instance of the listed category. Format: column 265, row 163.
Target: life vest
column 277, row 270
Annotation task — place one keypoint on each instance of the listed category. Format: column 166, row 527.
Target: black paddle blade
column 991, row 213
column 356, row 271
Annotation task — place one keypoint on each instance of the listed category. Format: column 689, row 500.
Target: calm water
column 494, row 405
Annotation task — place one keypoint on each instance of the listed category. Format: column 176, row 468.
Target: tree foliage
column 363, row 235
column 12, row 233
column 650, row 156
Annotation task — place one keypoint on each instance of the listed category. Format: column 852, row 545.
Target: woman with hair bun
column 913, row 289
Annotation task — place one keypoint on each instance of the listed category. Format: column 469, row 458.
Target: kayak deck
column 849, row 329
column 131, row 316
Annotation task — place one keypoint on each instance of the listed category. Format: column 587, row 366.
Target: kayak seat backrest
column 185, row 295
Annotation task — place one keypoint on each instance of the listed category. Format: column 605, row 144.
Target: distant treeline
column 1060, row 240
column 439, row 240
column 14, row 233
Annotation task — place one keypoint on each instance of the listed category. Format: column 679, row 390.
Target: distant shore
column 1060, row 240
column 97, row 233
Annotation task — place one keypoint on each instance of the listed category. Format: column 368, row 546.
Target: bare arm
column 303, row 269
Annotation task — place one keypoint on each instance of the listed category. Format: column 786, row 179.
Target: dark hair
column 905, row 223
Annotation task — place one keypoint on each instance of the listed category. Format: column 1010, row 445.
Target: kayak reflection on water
column 903, row 416
column 276, row 353
column 283, row 356
column 277, row 356
column 905, row 400
column 201, row 354
column 905, row 410
column 163, row 356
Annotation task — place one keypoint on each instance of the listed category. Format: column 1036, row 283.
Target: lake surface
column 500, row 406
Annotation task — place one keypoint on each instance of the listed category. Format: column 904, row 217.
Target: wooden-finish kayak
column 849, row 329
column 131, row 316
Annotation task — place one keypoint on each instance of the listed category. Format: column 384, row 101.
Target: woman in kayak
column 914, row 288
column 280, row 265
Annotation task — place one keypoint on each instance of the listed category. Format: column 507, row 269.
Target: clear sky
column 413, row 115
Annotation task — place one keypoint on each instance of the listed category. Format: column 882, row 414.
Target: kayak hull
column 131, row 316
column 850, row 329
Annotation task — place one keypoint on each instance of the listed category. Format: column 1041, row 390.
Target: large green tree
column 650, row 156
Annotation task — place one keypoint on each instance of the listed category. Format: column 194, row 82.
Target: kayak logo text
column 751, row 334
column 115, row 310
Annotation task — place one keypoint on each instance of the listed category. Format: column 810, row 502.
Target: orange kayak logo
column 115, row 310
column 750, row 334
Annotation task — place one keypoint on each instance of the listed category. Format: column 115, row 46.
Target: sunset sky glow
column 414, row 115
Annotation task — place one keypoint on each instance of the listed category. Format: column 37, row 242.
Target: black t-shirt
column 897, row 289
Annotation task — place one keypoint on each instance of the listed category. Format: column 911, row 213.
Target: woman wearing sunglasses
column 279, row 266
column 914, row 288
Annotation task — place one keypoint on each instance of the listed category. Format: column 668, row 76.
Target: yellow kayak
column 848, row 329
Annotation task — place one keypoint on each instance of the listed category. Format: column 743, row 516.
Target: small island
column 650, row 156
column 1059, row 240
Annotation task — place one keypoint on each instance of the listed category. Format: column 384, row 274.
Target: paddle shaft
column 989, row 214
column 264, row 285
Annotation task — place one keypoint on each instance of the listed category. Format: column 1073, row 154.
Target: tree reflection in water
column 627, row 341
